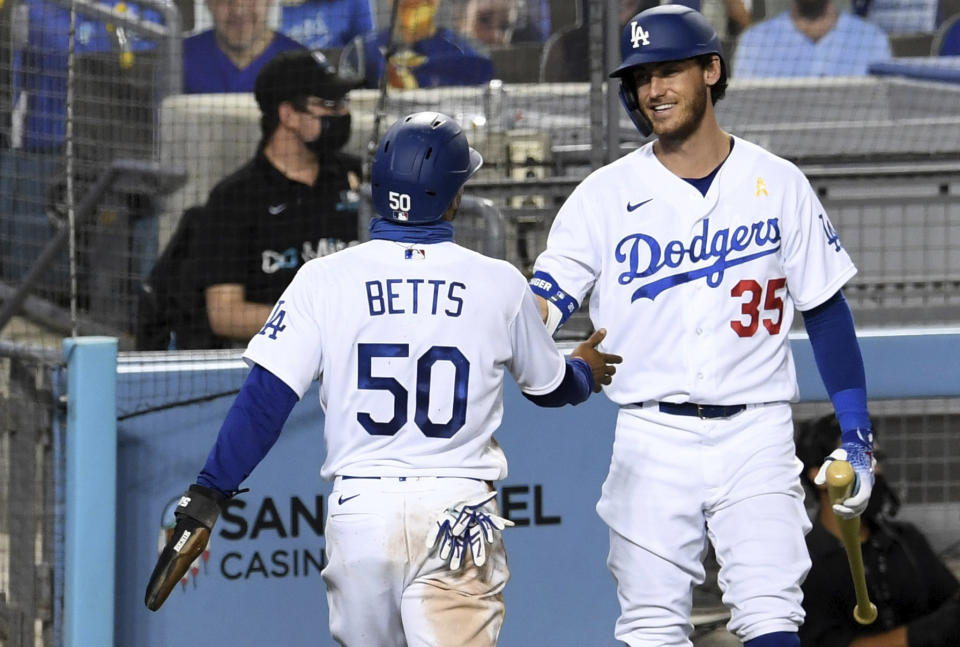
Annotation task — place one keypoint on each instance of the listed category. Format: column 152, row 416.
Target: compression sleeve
column 576, row 386
column 250, row 429
column 837, row 353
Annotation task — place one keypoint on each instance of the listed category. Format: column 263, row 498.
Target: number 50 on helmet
column 420, row 166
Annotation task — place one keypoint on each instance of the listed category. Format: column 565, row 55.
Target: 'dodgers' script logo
column 645, row 256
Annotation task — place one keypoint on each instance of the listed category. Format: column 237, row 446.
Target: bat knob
column 839, row 473
column 865, row 616
column 840, row 477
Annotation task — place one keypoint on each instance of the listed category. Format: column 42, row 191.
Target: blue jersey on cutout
column 206, row 69
column 325, row 24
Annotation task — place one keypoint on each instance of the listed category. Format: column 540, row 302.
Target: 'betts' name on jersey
column 410, row 346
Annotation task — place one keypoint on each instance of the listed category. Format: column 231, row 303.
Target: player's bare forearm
column 601, row 364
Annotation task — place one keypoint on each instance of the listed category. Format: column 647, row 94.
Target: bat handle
column 840, row 477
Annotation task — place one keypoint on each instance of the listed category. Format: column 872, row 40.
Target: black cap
column 299, row 73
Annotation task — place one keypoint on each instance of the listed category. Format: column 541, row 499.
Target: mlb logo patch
column 401, row 215
column 415, row 254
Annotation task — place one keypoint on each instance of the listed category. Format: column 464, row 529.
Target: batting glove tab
column 466, row 526
column 859, row 453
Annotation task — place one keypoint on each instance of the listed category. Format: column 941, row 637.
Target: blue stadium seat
column 946, row 42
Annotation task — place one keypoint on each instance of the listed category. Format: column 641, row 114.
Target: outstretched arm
column 248, row 432
column 587, row 370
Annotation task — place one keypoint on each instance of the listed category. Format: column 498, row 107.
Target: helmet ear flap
column 628, row 98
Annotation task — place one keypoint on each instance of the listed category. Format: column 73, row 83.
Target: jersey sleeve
column 536, row 363
column 815, row 262
column 289, row 344
column 571, row 258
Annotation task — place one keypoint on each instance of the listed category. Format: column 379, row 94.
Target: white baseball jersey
column 410, row 343
column 697, row 292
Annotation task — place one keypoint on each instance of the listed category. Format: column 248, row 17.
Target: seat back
column 946, row 41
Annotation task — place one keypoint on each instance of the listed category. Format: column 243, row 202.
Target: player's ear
column 712, row 70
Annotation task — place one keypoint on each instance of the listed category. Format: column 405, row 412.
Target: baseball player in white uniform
column 696, row 251
column 410, row 336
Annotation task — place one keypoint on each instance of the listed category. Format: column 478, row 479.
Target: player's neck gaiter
column 434, row 232
column 334, row 133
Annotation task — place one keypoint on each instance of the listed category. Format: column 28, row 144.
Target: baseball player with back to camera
column 698, row 248
column 409, row 335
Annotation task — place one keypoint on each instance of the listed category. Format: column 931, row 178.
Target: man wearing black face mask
column 287, row 205
column 916, row 595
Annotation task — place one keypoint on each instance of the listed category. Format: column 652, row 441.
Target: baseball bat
column 840, row 477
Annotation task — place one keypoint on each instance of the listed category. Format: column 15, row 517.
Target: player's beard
column 690, row 119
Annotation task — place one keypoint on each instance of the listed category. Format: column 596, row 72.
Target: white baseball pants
column 386, row 588
column 676, row 482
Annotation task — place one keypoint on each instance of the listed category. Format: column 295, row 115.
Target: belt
column 702, row 411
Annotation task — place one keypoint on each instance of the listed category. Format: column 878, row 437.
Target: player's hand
column 466, row 526
column 198, row 510
column 602, row 364
column 860, row 457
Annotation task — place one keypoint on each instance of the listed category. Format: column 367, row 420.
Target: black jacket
column 907, row 582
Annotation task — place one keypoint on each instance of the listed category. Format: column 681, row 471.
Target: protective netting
column 29, row 525
column 94, row 235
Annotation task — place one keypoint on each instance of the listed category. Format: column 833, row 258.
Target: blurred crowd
column 429, row 43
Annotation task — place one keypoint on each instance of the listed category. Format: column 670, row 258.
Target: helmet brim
column 476, row 161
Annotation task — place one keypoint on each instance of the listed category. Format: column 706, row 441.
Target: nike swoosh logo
column 342, row 500
column 276, row 209
column 633, row 207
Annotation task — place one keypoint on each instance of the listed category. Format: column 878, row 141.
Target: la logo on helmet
column 638, row 36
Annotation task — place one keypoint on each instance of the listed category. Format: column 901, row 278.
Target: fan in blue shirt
column 41, row 66
column 812, row 39
column 228, row 57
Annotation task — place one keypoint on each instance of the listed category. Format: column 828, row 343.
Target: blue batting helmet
column 664, row 33
column 420, row 165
